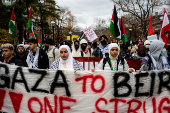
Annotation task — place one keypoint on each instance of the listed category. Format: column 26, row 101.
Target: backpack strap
column 82, row 54
column 105, row 60
column 120, row 58
column 90, row 51
column 54, row 52
column 149, row 62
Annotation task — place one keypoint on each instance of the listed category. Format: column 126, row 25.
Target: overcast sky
column 86, row 10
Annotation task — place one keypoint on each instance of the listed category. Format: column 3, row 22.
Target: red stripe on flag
column 123, row 27
column 150, row 30
column 29, row 14
column 165, row 39
column 31, row 34
column 13, row 16
column 165, row 29
column 39, row 39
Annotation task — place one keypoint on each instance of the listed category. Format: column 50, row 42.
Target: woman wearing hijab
column 66, row 61
column 154, row 60
column 113, row 61
column 76, row 50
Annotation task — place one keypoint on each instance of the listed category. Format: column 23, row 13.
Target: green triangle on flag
column 12, row 26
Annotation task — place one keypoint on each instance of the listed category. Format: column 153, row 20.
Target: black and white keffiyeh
column 76, row 65
column 104, row 49
column 32, row 60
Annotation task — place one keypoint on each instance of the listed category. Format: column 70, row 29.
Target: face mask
column 83, row 48
column 103, row 42
column 164, row 51
column 147, row 46
column 76, row 47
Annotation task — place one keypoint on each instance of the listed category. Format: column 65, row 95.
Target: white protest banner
column 90, row 34
column 24, row 90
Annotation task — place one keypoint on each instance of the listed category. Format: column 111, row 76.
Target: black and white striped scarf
column 32, row 60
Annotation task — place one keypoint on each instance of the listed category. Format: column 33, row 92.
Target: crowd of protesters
column 154, row 54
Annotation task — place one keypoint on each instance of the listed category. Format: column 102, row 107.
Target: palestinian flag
column 12, row 27
column 165, row 28
column 31, row 36
column 81, row 37
column 114, row 25
column 30, row 24
column 150, row 30
column 39, row 40
column 124, row 37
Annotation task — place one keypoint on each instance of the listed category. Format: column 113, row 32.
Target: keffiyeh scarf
column 32, row 60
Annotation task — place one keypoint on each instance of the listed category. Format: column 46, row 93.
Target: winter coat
column 43, row 62
column 78, row 52
column 53, row 54
column 107, row 66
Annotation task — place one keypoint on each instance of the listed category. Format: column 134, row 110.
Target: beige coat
column 51, row 56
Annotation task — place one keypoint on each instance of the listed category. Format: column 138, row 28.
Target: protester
column 36, row 58
column 127, row 50
column 66, row 61
column 103, row 44
column 122, row 48
column 21, row 54
column 8, row 57
column 96, row 50
column 113, row 61
column 140, row 40
column 88, row 51
column 102, row 47
column 76, row 50
column 52, row 51
column 141, row 51
column 141, row 43
column 134, row 51
column 168, row 53
column 164, row 53
column 66, row 43
column 147, row 44
column 26, row 42
column 154, row 59
column 1, row 54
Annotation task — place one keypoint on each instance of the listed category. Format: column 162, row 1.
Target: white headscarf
column 113, row 59
column 110, row 47
column 69, row 60
column 155, row 48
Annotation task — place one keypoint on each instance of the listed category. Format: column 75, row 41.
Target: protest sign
column 90, row 34
column 152, row 37
column 24, row 90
